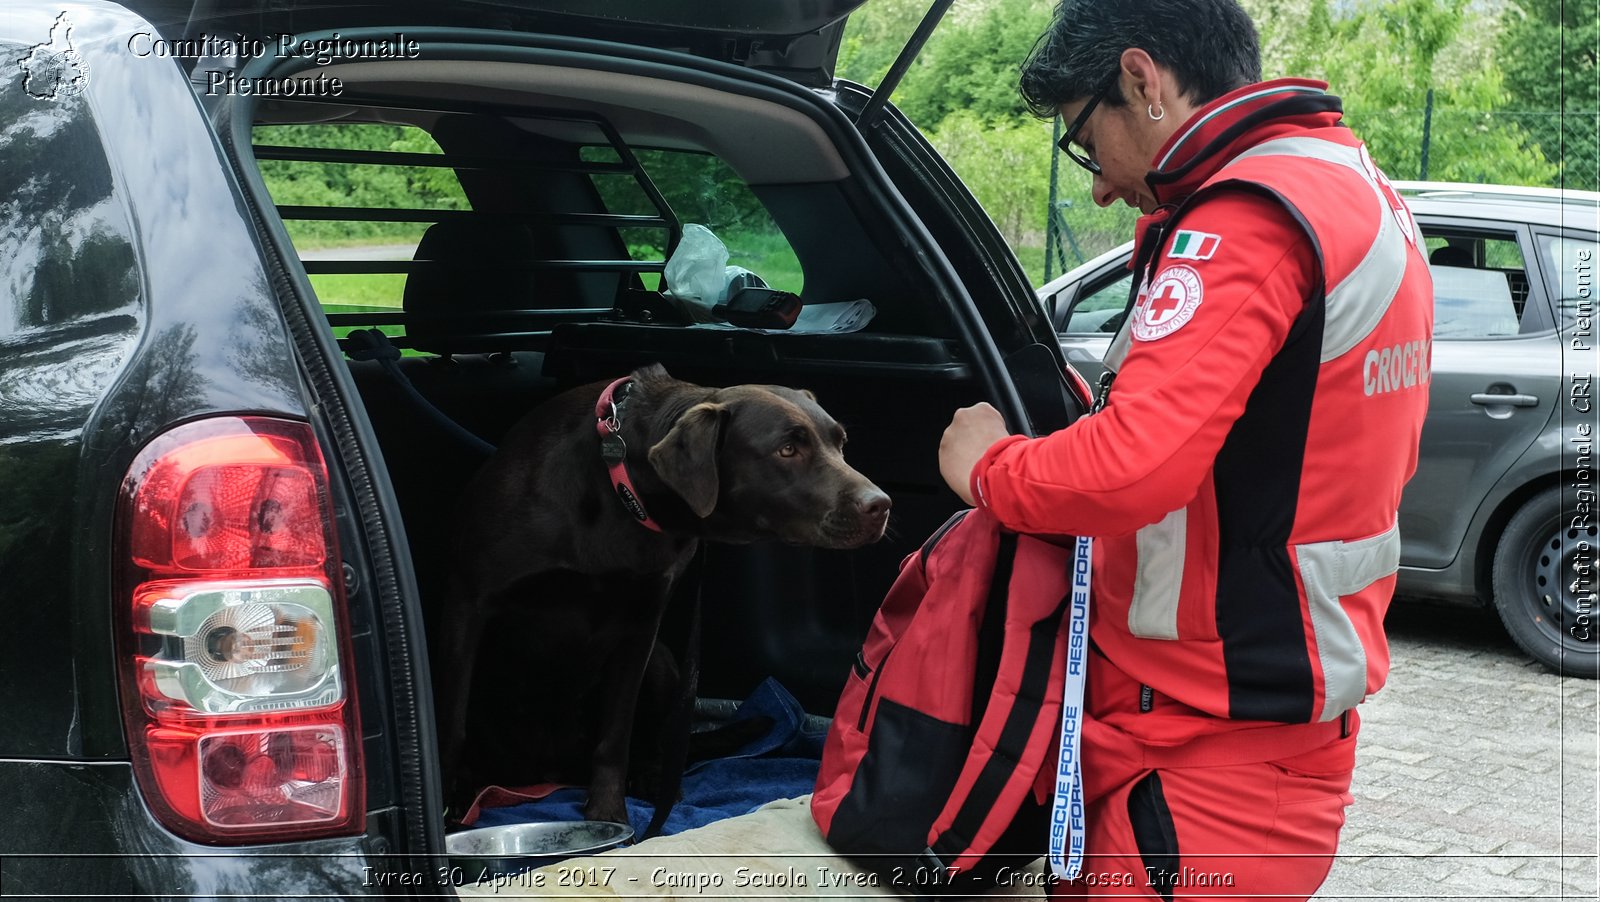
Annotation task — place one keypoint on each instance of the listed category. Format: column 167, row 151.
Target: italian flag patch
column 1194, row 245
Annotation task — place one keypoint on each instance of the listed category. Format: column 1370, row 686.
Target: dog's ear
column 686, row 460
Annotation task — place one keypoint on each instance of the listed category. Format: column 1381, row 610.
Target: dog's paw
column 606, row 809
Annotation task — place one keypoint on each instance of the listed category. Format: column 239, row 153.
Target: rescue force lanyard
column 1066, row 815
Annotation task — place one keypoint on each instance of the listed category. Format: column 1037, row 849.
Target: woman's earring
column 1150, row 111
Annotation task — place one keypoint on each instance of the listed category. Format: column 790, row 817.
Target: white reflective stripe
column 1118, row 350
column 1330, row 571
column 1315, row 148
column 1355, row 305
column 1153, row 613
column 1254, row 95
column 1067, row 811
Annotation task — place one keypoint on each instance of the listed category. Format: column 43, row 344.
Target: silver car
column 1501, row 509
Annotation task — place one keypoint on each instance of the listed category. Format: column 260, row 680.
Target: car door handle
column 1492, row 400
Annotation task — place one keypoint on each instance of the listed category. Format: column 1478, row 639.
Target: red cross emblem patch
column 1174, row 297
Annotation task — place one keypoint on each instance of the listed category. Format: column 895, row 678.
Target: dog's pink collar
column 615, row 453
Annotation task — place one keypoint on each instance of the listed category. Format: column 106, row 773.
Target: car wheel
column 1544, row 586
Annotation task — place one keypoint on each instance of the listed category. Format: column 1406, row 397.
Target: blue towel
column 780, row 764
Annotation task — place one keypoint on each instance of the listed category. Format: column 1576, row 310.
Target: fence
column 1076, row 230
column 1533, row 148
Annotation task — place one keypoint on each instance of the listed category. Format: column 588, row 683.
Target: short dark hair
column 1210, row 45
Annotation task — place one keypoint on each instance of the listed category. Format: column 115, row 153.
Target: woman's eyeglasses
column 1070, row 138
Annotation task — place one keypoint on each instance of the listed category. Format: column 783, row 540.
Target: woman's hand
column 970, row 433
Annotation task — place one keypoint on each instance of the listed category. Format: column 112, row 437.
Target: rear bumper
column 75, row 828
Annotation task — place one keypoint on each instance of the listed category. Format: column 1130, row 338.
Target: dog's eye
column 788, row 450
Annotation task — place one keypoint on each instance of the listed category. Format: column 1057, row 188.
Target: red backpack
column 928, row 771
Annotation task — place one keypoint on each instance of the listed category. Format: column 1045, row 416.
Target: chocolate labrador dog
column 587, row 514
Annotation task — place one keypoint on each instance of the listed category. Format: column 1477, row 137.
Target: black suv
column 223, row 499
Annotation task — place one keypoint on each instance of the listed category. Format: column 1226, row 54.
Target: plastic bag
column 699, row 277
column 697, row 270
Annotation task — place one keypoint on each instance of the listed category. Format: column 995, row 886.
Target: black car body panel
column 155, row 284
column 798, row 39
column 144, row 302
column 81, row 830
column 113, row 190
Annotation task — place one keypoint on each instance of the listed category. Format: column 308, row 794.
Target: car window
column 394, row 227
column 356, row 192
column 1480, row 286
column 1569, row 272
column 698, row 188
column 1099, row 310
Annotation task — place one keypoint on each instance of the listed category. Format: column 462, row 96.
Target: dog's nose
column 874, row 504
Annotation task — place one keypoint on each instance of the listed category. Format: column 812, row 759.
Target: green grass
column 768, row 255
column 364, row 293
column 765, row 253
column 394, row 331
column 1032, row 260
column 398, row 233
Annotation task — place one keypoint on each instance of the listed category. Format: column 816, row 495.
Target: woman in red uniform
column 1242, row 480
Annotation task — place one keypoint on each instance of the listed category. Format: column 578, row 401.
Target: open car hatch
column 796, row 39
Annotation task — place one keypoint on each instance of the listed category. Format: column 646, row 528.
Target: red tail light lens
column 235, row 652
column 228, row 503
column 280, row 777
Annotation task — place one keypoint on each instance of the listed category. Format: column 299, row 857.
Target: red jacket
column 1244, row 477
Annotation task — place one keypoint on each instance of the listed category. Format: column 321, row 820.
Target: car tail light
column 234, row 643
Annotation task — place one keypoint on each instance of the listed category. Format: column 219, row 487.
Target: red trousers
column 1183, row 805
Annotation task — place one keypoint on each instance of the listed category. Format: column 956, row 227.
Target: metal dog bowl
column 513, row 848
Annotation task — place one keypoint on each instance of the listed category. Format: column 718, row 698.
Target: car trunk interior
column 542, row 275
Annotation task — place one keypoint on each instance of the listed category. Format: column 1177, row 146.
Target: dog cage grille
column 489, row 323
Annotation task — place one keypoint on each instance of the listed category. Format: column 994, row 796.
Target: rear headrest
column 1451, row 255
column 479, row 268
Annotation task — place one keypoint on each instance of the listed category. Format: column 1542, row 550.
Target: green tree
column 1550, row 63
column 1005, row 163
column 973, row 62
column 962, row 91
column 1382, row 56
column 970, row 63
column 873, row 37
column 356, row 184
